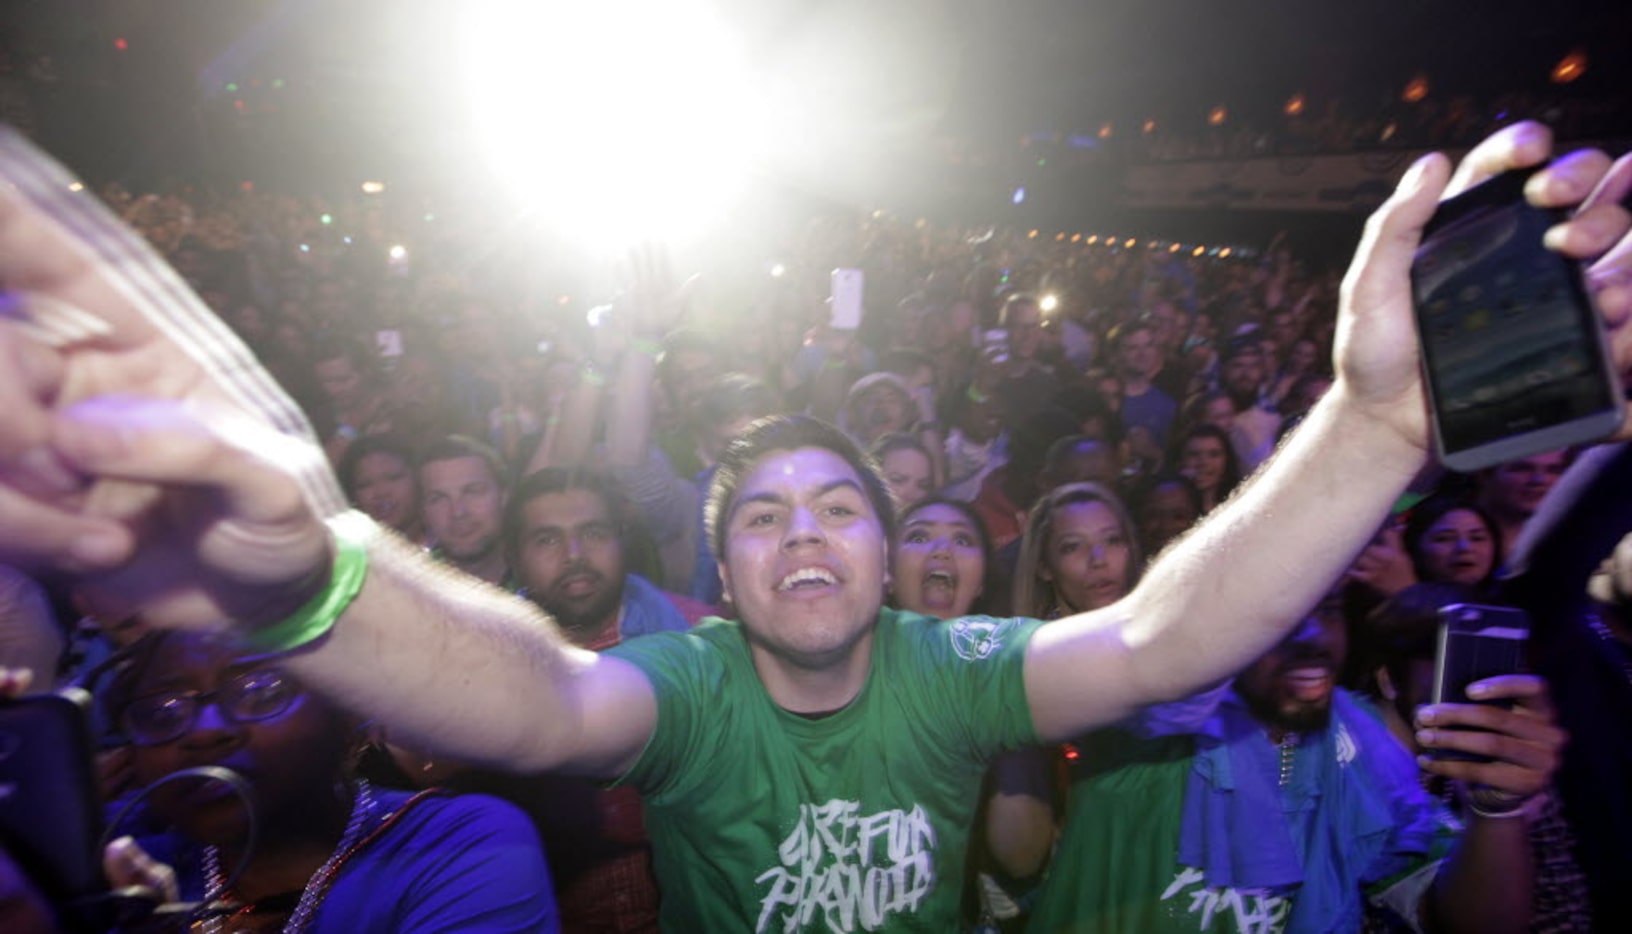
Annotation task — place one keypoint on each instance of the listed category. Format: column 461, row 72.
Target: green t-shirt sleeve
column 969, row 674
column 685, row 669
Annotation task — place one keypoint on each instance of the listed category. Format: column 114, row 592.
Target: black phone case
column 50, row 817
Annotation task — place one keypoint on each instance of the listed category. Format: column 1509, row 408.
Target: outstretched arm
column 144, row 451
column 1232, row 588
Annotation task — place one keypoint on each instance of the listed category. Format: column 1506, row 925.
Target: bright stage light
column 612, row 120
column 1048, row 303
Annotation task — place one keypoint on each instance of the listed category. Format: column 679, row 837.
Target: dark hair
column 1434, row 508
column 1232, row 464
column 785, row 433
column 682, row 340
column 1013, row 299
column 395, row 445
column 454, row 447
column 1126, row 329
column 332, row 345
column 1088, row 404
column 732, row 396
column 1397, row 631
column 639, row 551
column 1139, row 496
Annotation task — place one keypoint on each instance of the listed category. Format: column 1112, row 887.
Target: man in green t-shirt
column 145, row 453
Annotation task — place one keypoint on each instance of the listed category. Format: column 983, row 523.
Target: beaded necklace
column 317, row 888
column 1288, row 747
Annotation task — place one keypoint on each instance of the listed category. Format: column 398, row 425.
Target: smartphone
column 1476, row 642
column 388, row 343
column 50, row 816
column 1514, row 352
column 845, row 299
column 995, row 344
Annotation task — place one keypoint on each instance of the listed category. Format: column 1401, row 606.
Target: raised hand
column 1376, row 354
column 142, row 449
column 1523, row 743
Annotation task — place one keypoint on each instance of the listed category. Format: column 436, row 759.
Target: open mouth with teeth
column 940, row 587
column 1309, row 683
column 807, row 579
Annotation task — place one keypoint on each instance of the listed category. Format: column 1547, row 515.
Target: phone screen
column 1512, row 345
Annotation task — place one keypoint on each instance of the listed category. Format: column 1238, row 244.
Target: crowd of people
column 958, row 553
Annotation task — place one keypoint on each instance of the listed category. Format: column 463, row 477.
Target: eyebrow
column 777, row 499
column 916, row 523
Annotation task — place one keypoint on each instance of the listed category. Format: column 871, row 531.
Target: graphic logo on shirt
column 1250, row 911
column 1347, row 748
column 850, row 870
column 975, row 639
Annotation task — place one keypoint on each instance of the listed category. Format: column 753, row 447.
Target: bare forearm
column 567, row 443
column 1227, row 593
column 629, row 420
column 1019, row 814
column 449, row 663
column 1233, row 587
column 1486, row 885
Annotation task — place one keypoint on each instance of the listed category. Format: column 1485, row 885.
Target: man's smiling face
column 804, row 559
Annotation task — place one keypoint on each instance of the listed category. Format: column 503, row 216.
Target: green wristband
column 647, row 346
column 313, row 621
column 976, row 396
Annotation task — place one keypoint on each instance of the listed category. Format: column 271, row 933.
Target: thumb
column 1393, row 233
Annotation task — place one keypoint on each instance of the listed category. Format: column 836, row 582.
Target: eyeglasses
column 248, row 698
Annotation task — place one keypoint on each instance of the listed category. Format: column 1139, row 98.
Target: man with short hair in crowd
column 1242, row 372
column 568, row 535
column 1145, row 408
column 815, row 762
column 463, row 489
column 1027, row 377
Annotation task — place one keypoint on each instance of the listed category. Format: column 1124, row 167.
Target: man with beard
column 567, row 535
column 1291, row 807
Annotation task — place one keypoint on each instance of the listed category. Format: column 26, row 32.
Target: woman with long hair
column 1079, row 553
column 1205, row 455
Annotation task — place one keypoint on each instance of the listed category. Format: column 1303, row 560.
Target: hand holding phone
column 1504, row 749
column 1515, row 357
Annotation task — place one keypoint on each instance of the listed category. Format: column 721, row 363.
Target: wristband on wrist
column 314, row 619
column 647, row 346
column 976, row 396
column 1519, row 809
column 1523, row 807
column 591, row 374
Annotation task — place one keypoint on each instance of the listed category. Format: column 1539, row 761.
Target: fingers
column 1518, row 146
column 1522, row 744
column 127, row 864
column 14, row 682
column 177, row 444
column 41, row 535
